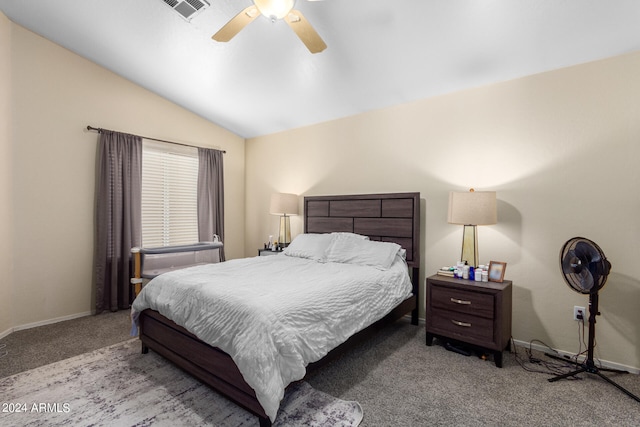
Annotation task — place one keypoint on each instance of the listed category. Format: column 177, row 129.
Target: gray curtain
column 118, row 217
column 210, row 196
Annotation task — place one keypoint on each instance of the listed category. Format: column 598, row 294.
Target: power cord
column 529, row 362
column 558, row 364
column 583, row 347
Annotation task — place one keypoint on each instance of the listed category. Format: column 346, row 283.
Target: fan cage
column 592, row 275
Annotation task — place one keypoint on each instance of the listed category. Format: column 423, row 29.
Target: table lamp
column 470, row 209
column 285, row 205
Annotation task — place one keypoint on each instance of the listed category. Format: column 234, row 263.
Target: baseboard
column 603, row 363
column 408, row 317
column 47, row 322
column 5, row 333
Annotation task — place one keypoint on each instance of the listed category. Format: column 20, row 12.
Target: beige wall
column 56, row 94
column 6, row 235
column 560, row 148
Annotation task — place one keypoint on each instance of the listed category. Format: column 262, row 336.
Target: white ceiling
column 380, row 52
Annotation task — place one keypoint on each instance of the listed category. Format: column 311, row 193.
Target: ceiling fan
column 274, row 10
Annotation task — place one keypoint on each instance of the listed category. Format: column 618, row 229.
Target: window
column 169, row 194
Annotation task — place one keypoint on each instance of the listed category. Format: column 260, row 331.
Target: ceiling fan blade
column 237, row 23
column 305, row 31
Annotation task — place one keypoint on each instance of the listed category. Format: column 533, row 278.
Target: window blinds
column 169, row 194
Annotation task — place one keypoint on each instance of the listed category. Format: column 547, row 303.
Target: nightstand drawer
column 476, row 313
column 471, row 302
column 474, row 329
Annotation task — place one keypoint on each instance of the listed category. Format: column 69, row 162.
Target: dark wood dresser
column 476, row 313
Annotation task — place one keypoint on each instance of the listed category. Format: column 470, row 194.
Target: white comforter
column 274, row 315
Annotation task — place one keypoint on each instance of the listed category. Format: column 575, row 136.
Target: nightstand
column 266, row 252
column 476, row 313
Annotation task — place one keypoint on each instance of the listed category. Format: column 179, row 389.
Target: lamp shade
column 473, row 208
column 284, row 204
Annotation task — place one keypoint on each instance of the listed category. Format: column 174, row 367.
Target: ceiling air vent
column 187, row 8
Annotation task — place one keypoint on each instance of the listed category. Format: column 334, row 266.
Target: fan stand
column 588, row 365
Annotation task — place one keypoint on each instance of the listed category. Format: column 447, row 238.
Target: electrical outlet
column 579, row 313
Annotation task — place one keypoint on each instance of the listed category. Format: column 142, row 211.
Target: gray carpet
column 400, row 381
column 117, row 385
column 30, row 348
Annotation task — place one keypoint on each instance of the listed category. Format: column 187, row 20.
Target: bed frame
column 391, row 217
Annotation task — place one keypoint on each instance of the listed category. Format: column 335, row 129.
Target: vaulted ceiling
column 380, row 52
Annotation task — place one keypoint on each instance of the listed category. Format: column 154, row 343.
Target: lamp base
column 284, row 237
column 470, row 245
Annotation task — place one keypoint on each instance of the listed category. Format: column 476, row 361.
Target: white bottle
column 459, row 268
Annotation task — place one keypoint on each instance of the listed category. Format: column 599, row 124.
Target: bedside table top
column 437, row 278
column 266, row 252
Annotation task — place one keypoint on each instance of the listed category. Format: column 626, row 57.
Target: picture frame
column 496, row 271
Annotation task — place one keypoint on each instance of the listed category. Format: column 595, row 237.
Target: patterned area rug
column 117, row 385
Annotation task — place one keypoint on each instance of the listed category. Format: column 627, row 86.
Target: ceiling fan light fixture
column 274, row 9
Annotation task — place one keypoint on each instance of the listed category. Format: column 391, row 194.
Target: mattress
column 274, row 315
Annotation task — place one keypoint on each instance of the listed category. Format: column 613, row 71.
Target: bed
column 392, row 218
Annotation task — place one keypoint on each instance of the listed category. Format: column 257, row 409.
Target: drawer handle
column 461, row 301
column 465, row 324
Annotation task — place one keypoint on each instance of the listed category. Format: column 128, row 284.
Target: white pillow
column 347, row 235
column 362, row 252
column 310, row 246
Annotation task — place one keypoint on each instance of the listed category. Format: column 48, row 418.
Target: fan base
column 592, row 369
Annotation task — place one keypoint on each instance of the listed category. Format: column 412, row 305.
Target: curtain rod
column 100, row 130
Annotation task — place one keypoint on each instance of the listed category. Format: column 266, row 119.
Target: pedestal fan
column 585, row 269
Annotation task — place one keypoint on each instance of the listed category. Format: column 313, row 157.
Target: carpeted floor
column 119, row 386
column 30, row 348
column 400, row 381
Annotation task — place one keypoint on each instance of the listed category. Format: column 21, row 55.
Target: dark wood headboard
column 389, row 217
